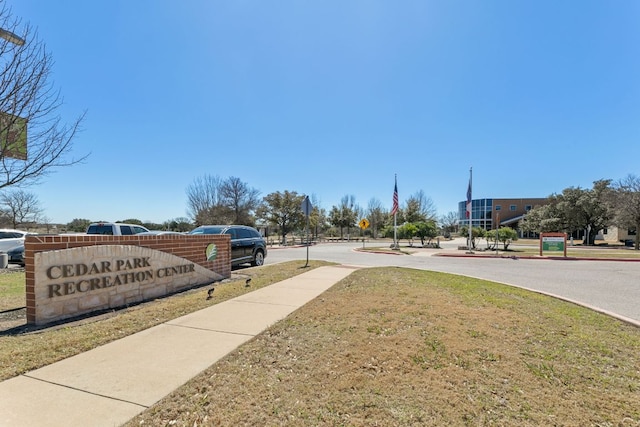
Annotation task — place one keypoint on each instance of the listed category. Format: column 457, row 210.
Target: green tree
column 283, row 210
column 426, row 230
column 180, row 224
column 506, row 235
column 345, row 215
column 153, row 225
column 407, row 231
column 411, row 211
column 543, row 219
column 476, row 233
column 575, row 209
column 78, row 225
column 418, row 208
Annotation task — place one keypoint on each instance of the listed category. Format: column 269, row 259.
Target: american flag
column 394, row 209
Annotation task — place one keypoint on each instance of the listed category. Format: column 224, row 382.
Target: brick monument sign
column 72, row 275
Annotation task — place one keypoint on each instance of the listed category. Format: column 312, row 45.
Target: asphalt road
column 612, row 287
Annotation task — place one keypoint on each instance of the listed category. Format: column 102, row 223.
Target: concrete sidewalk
column 109, row 385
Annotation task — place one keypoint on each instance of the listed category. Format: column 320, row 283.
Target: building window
column 512, row 207
column 527, row 208
column 498, row 207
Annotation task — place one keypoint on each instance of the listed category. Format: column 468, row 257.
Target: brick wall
column 191, row 248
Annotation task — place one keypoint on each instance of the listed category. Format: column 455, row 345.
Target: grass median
column 392, row 346
column 594, row 252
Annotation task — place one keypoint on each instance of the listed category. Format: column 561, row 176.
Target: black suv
column 247, row 244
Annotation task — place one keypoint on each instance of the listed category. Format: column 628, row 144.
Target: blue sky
column 332, row 98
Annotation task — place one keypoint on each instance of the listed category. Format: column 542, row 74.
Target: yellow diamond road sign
column 364, row 223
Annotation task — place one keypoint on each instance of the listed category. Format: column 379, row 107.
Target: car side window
column 125, row 230
column 5, row 236
column 232, row 232
column 243, row 233
column 138, row 230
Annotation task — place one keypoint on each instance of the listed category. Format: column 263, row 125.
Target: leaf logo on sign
column 211, row 252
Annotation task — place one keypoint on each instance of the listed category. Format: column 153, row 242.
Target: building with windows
column 494, row 213
column 486, row 213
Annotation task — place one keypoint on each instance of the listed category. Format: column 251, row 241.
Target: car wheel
column 258, row 259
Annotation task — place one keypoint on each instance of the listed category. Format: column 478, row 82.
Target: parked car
column 247, row 244
column 115, row 229
column 16, row 255
column 11, row 238
column 158, row 233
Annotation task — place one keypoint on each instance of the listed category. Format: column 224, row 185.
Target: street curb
column 552, row 258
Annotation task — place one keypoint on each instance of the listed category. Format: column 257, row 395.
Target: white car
column 9, row 239
column 115, row 229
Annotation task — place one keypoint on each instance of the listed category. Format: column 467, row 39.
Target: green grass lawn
column 12, row 290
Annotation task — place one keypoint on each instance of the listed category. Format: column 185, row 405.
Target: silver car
column 9, row 239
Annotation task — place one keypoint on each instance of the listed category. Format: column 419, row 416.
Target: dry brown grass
column 23, row 349
column 399, row 347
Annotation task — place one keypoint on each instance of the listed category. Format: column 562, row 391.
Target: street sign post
column 364, row 224
column 307, row 207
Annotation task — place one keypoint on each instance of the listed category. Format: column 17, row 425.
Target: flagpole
column 470, row 207
column 395, row 213
column 395, row 238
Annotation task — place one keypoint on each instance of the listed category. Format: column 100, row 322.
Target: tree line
column 213, row 200
column 575, row 209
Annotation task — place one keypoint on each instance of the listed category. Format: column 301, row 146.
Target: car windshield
column 207, row 230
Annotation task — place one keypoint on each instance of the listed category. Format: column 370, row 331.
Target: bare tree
column 626, row 201
column 34, row 139
column 318, row 217
column 240, row 200
column 377, row 216
column 423, row 205
column 214, row 201
column 46, row 221
column 204, row 199
column 21, row 207
column 449, row 223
